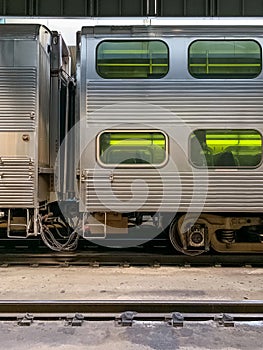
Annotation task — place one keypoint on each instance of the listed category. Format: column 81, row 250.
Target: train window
column 226, row 148
column 132, row 59
column 132, row 148
column 224, row 59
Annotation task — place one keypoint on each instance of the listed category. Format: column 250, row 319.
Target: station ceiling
column 131, row 8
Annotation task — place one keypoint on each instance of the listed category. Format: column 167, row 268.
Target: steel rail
column 139, row 306
column 95, row 259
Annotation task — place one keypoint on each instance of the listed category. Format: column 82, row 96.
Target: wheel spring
column 227, row 236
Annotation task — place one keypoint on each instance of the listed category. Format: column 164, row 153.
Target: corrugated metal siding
column 121, row 190
column 16, row 182
column 18, row 98
column 199, row 103
column 230, row 191
column 195, row 102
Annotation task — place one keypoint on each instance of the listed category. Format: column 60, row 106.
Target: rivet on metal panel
column 26, row 137
column 84, row 175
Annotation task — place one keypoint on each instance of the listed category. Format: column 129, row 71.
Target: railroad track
column 33, row 252
column 124, row 312
column 126, row 259
column 131, row 324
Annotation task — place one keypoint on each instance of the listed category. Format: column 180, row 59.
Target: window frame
column 132, row 40
column 228, row 167
column 138, row 166
column 225, row 77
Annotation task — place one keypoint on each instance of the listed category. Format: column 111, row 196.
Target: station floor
column 114, row 283
column 117, row 283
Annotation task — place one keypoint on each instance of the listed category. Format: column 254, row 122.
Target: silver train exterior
column 31, row 59
column 216, row 203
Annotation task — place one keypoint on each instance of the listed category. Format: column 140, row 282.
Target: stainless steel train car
column 167, row 136
column 171, row 123
column 34, row 70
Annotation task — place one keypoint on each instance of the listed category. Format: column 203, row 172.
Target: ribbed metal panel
column 227, row 191
column 194, row 102
column 116, row 195
column 18, row 96
column 16, row 182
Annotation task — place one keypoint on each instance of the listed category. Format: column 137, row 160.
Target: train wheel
column 192, row 242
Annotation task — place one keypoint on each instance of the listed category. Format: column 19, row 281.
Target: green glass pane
column 132, row 148
column 230, row 59
column 226, row 148
column 132, row 59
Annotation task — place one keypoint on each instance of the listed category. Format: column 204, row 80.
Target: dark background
column 131, row 8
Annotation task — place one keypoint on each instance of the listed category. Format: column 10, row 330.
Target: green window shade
column 225, row 59
column 130, row 148
column 226, row 148
column 132, row 59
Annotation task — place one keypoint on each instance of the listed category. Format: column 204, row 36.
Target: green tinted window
column 230, row 59
column 129, row 148
column 226, row 148
column 132, row 59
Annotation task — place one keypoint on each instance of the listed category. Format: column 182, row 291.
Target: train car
column 34, row 70
column 170, row 128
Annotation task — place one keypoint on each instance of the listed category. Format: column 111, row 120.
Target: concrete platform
column 131, row 283
column 169, row 283
column 141, row 336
